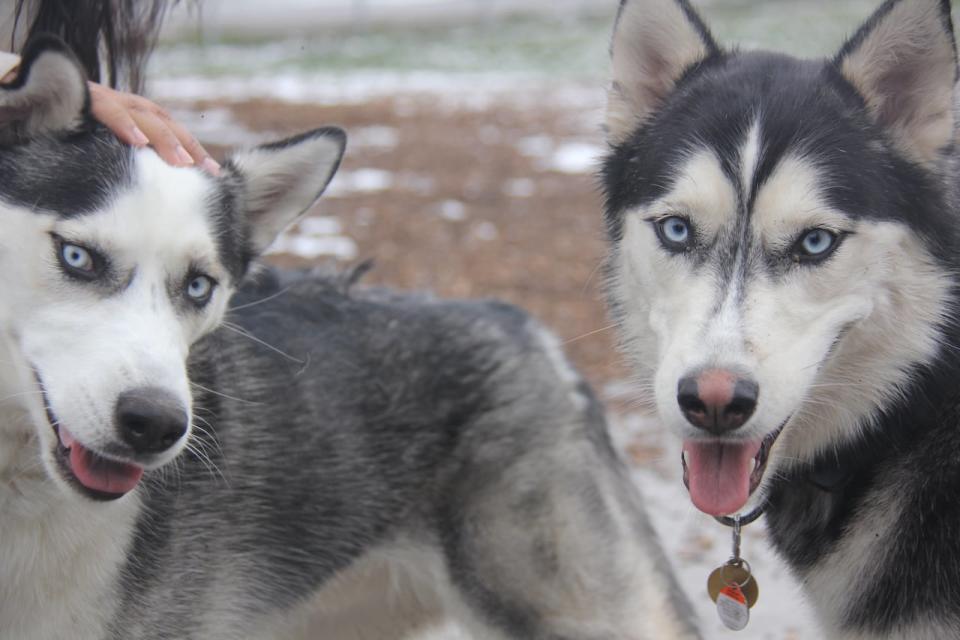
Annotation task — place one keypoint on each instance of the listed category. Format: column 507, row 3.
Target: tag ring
column 740, row 563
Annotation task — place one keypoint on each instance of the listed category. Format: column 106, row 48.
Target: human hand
column 139, row 122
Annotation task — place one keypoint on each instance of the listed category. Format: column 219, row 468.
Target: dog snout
column 717, row 400
column 150, row 419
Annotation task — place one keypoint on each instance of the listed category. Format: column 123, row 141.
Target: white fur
column 880, row 287
column 88, row 346
column 87, row 352
column 47, row 535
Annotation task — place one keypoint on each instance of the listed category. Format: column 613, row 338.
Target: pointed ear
column 49, row 94
column 283, row 180
column 654, row 43
column 903, row 63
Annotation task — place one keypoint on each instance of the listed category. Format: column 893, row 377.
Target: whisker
column 590, row 333
column 22, row 394
column 260, row 301
column 224, row 395
column 246, row 334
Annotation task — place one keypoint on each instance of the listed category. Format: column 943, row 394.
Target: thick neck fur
column 883, row 509
column 56, row 552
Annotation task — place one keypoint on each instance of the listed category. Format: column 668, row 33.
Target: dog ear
column 283, row 180
column 903, row 63
column 49, row 94
column 654, row 43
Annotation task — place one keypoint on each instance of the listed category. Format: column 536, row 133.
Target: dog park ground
column 471, row 171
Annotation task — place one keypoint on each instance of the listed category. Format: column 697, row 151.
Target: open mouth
column 721, row 475
column 91, row 473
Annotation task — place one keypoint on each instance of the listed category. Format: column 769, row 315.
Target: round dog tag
column 733, row 574
column 732, row 608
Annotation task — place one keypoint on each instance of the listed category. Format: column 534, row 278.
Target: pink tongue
column 718, row 474
column 102, row 475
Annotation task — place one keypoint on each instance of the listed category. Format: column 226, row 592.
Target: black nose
column 150, row 419
column 717, row 400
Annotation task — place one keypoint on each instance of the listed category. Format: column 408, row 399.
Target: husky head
column 781, row 232
column 112, row 264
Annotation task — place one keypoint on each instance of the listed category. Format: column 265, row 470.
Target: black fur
column 65, row 186
column 806, row 105
column 912, row 452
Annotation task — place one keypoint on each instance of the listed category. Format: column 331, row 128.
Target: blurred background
column 474, row 141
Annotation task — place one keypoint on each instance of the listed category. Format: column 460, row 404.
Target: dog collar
column 741, row 521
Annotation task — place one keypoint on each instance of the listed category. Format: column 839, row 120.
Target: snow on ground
column 564, row 156
column 314, row 238
column 472, row 91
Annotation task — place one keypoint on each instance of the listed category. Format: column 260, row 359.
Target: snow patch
column 520, row 188
column 315, row 237
column 218, row 126
column 453, row 210
column 365, row 180
column 575, row 158
column 536, row 146
column 467, row 91
column 375, row 137
column 485, row 231
column 320, row 226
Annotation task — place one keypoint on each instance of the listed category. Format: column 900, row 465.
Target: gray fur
column 386, row 418
column 359, row 462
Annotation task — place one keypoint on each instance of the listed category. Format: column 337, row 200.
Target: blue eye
column 76, row 257
column 78, row 261
column 200, row 289
column 816, row 243
column 674, row 232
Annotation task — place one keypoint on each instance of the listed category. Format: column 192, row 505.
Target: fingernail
column 184, row 157
column 140, row 139
column 210, row 166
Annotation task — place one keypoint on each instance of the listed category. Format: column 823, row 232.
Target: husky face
column 113, row 264
column 780, row 232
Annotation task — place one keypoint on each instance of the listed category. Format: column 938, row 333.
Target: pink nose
column 717, row 400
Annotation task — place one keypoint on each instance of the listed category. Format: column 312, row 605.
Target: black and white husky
column 330, row 465
column 784, row 270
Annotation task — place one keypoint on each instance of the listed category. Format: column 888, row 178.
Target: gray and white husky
column 332, row 464
column 784, row 271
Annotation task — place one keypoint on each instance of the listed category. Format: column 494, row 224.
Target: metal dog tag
column 732, row 587
column 734, row 574
column 732, row 608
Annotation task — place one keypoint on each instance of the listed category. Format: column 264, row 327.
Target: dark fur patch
column 804, row 107
column 67, row 176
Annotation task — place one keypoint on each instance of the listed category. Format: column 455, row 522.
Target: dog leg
column 553, row 544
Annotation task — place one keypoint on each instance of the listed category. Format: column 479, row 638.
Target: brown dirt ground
column 548, row 248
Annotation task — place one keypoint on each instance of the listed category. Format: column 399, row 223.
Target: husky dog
column 784, row 271
column 332, row 464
